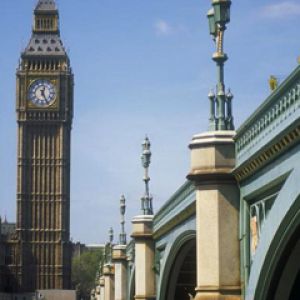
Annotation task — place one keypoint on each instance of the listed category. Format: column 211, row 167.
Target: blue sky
column 142, row 67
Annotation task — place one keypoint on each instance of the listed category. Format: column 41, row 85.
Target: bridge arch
column 275, row 271
column 180, row 266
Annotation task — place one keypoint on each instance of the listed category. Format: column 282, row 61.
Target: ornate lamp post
column 108, row 247
column 111, row 235
column 220, row 104
column 108, row 269
column 120, row 258
column 142, row 233
column 147, row 208
column 217, row 193
column 122, row 212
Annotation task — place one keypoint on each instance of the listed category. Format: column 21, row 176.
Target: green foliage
column 84, row 270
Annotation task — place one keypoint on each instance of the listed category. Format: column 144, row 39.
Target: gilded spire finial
column 147, row 208
column 122, row 212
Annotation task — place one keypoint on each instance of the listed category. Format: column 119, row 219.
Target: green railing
column 279, row 106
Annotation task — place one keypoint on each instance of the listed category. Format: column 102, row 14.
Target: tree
column 84, row 270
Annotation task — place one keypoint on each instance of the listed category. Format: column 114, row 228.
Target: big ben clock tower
column 44, row 115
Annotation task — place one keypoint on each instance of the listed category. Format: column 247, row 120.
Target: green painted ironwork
column 283, row 221
column 260, row 210
column 259, row 194
column 221, row 117
column 185, row 192
column 279, row 108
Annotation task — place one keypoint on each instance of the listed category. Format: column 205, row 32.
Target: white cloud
column 282, row 10
column 163, row 28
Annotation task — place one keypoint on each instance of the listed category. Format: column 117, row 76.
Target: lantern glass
column 222, row 11
column 211, row 22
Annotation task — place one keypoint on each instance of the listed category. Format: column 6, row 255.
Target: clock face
column 42, row 93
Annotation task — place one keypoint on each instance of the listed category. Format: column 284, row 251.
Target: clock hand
column 43, row 93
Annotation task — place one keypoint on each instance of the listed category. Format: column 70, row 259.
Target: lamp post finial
column 147, row 208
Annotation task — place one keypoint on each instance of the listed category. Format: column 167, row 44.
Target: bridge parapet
column 176, row 210
column 271, row 129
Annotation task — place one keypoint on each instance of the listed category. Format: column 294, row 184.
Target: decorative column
column 120, row 258
column 97, row 283
column 217, row 216
column 217, row 193
column 97, row 292
column 109, row 270
column 102, row 289
column 142, row 234
column 109, row 286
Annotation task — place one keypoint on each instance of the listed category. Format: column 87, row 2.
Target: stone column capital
column 119, row 253
column 101, row 281
column 108, row 270
column 142, row 227
column 212, row 138
column 212, row 157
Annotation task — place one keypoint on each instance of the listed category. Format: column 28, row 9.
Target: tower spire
column 45, row 39
column 147, row 208
column 46, row 17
